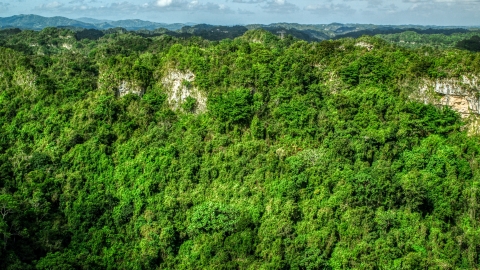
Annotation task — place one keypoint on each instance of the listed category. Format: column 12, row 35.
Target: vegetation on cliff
column 309, row 155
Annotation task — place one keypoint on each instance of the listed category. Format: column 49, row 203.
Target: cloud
column 245, row 12
column 389, row 8
column 370, row 3
column 443, row 6
column 431, row 12
column 78, row 1
column 331, row 9
column 4, row 6
column 374, row 3
column 279, row 6
column 442, row 12
column 379, row 5
column 212, row 8
column 248, row 1
column 51, row 6
column 451, row 2
column 127, row 8
column 81, row 7
column 164, row 3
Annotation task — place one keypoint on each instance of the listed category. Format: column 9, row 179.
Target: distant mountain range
column 36, row 22
column 94, row 28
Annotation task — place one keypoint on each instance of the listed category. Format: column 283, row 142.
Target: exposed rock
column 24, row 78
column 461, row 87
column 180, row 86
column 67, row 46
column 364, row 45
column 110, row 80
column 129, row 88
column 458, row 103
column 462, row 95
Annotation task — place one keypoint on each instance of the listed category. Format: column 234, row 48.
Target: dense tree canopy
column 310, row 155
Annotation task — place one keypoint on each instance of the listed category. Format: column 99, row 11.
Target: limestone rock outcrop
column 366, row 45
column 179, row 86
column 461, row 94
column 125, row 88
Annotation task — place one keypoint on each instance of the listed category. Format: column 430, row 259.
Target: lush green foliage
column 471, row 44
column 413, row 39
column 310, row 156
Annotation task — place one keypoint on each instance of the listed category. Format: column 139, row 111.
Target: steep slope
column 307, row 155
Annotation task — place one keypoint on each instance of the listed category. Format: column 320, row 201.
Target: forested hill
column 130, row 152
column 93, row 28
column 36, row 22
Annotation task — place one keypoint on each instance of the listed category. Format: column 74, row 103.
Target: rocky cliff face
column 179, row 86
column 366, row 45
column 460, row 94
column 121, row 85
column 125, row 88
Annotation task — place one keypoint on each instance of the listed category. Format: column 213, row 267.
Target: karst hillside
column 128, row 150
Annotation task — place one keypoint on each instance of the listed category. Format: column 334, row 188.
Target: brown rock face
column 457, row 103
column 460, row 94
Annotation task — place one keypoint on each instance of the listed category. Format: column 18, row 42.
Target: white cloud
column 127, row 8
column 374, row 3
column 389, row 8
column 248, row 1
column 211, row 8
column 245, row 12
column 331, row 9
column 431, row 12
column 442, row 12
column 164, row 3
column 52, row 5
column 280, row 6
column 454, row 2
column 77, row 1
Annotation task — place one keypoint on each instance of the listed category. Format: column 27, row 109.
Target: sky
column 231, row 12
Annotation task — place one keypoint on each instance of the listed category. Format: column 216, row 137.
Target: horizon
column 85, row 18
column 241, row 12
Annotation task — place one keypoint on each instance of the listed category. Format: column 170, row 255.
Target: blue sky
column 426, row 12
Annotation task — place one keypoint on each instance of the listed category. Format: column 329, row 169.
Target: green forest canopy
column 310, row 156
